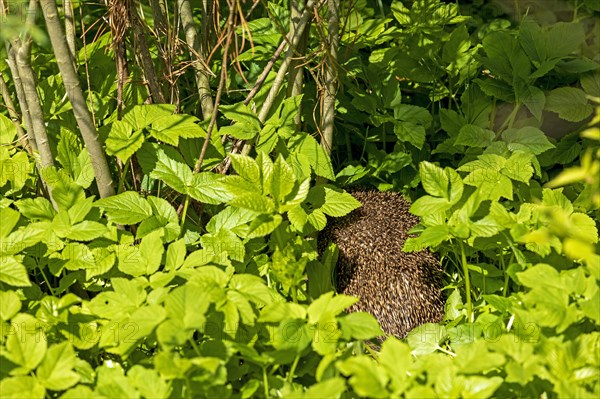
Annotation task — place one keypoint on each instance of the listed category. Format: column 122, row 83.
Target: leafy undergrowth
column 209, row 285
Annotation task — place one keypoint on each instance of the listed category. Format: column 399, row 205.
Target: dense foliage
column 165, row 167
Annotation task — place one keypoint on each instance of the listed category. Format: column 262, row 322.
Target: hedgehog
column 401, row 289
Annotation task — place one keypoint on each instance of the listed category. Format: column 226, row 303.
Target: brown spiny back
column 401, row 289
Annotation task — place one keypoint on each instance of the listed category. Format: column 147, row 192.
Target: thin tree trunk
column 38, row 125
column 19, row 56
column 145, row 57
column 73, row 88
column 198, row 52
column 328, row 109
column 296, row 76
column 14, row 116
column 70, row 26
column 158, row 12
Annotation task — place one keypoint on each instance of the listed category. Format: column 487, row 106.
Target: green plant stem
column 465, row 266
column 447, row 352
column 194, row 346
column 121, row 185
column 508, row 123
column 293, row 368
column 265, row 382
column 186, row 203
column 47, row 282
column 506, row 276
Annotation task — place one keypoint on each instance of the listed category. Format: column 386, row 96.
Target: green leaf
column 475, row 358
column 23, row 237
column 86, row 231
column 10, row 218
column 83, row 170
column 590, row 83
column 240, row 112
column 21, row 387
column 319, row 161
column 175, row 255
column 247, row 168
column 151, row 250
column 263, row 225
column 426, row 338
column 252, row 287
column 149, row 382
column 564, row 39
column 338, row 203
column 428, row 205
column 505, row 57
column 276, row 312
column 411, row 133
column 569, row 103
column 188, row 304
column 396, row 359
column 455, row 48
column 8, row 132
column 144, row 320
column 365, row 377
column 141, row 116
column 533, row 98
column 80, row 209
column 332, row 388
column 27, row 346
column 166, row 164
column 527, row 139
column 327, row 306
column 434, row 180
column 480, row 387
column 224, row 242
column 474, row 136
column 112, row 383
column 171, row 127
column 10, row 304
column 65, row 192
column 208, row 187
column 540, row 275
column 33, row 208
column 230, row 218
column 283, row 180
column 492, row 184
column 359, row 325
column 125, row 208
column 75, row 160
column 240, row 130
column 518, row 167
column 430, row 237
column 56, row 371
column 13, row 272
column 123, row 141
column 164, row 218
column 253, row 202
column 583, row 227
column 15, row 169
